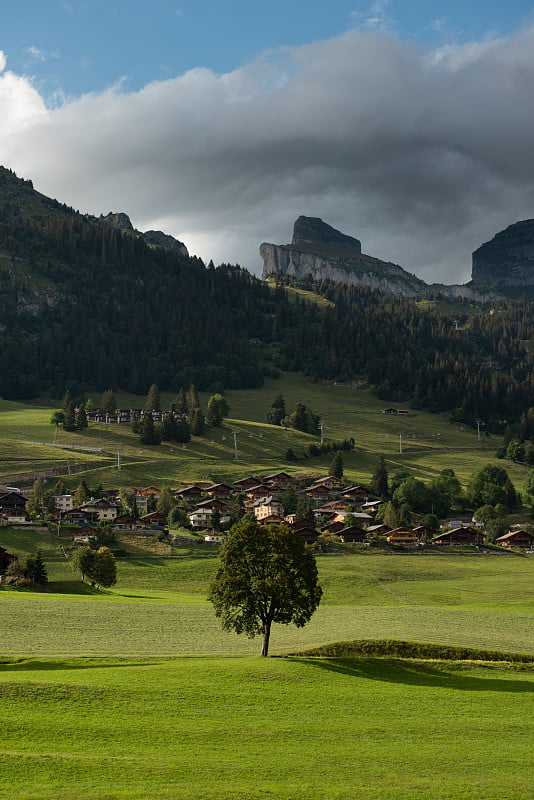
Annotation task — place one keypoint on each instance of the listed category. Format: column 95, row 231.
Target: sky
column 406, row 124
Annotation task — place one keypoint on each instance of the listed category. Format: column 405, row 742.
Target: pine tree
column 81, row 418
column 153, row 400
column 214, row 415
column 197, row 422
column 183, row 430
column 108, row 404
column 67, row 400
column 150, row 434
column 336, row 467
column 181, row 403
column 379, row 481
column 192, row 399
column 69, row 420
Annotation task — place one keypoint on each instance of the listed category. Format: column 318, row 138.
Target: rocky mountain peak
column 312, row 230
column 508, row 259
column 122, row 221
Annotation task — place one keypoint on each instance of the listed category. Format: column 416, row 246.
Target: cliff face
column 321, row 251
column 508, row 259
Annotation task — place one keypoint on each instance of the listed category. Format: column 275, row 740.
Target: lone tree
column 266, row 575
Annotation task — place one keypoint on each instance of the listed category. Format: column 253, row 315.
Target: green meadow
column 429, row 441
column 136, row 692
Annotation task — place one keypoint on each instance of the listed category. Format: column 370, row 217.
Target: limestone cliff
column 508, row 259
column 325, row 253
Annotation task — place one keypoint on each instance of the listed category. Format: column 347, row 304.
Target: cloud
column 421, row 154
column 36, row 54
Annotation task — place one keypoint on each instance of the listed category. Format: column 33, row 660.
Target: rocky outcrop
column 324, row 253
column 158, row 238
column 508, row 259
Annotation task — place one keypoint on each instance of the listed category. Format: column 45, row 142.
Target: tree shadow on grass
column 415, row 673
column 39, row 665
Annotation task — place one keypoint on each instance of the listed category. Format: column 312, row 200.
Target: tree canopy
column 265, row 575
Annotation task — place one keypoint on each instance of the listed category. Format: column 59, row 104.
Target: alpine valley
column 90, row 303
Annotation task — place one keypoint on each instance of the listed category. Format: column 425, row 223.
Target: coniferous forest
column 84, row 305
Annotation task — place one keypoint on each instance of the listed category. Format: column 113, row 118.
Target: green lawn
column 223, row 729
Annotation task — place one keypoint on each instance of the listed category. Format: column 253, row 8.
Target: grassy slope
column 430, row 443
column 249, row 728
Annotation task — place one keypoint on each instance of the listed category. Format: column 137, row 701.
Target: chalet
column 85, row 535
column 336, row 506
column 306, row 531
column 106, row 510
column 355, row 493
column 280, row 480
column 13, row 515
column 423, row 531
column 317, row 492
column 245, row 483
column 371, row 506
column 220, row 490
column 402, row 536
column 380, row 529
column 260, row 490
column 517, row 538
column 12, row 501
column 464, row 535
column 190, row 493
column 330, row 481
column 351, row 534
column 148, row 490
column 81, row 516
column 273, row 519
column 210, row 505
column 358, row 516
column 268, row 507
column 127, row 522
column 333, row 527
column 154, row 518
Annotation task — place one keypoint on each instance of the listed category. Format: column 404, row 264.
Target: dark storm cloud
column 421, row 154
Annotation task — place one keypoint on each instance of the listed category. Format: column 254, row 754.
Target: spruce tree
column 197, row 422
column 192, row 399
column 108, row 404
column 214, row 415
column 181, row 403
column 379, row 481
column 150, row 434
column 69, row 419
column 153, row 400
column 336, row 467
column 81, row 418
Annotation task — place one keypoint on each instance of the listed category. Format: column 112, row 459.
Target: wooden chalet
column 423, row 531
column 351, row 534
column 127, row 522
column 154, row 518
column 85, row 535
column 272, row 519
column 330, row 481
column 280, row 480
column 521, row 539
column 80, row 516
column 332, row 527
column 402, row 536
column 380, row 529
column 317, row 492
column 222, row 490
column 191, row 493
column 245, row 483
column 260, row 490
column 456, row 536
column 105, row 509
column 11, row 501
column 306, row 530
column 335, row 506
column 147, row 491
column 355, row 493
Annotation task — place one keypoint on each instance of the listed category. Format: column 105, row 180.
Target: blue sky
column 77, row 47
column 407, row 124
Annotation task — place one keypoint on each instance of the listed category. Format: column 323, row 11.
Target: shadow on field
column 31, row 665
column 415, row 674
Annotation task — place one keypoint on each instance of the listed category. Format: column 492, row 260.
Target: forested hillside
column 86, row 305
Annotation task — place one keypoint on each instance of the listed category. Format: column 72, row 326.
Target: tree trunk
column 266, row 636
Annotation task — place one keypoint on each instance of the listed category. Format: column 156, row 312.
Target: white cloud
column 36, row 54
column 422, row 155
column 3, row 61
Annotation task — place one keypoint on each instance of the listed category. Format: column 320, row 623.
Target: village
column 320, row 511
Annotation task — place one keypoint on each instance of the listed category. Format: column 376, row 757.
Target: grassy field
column 429, row 442
column 223, row 729
column 136, row 692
